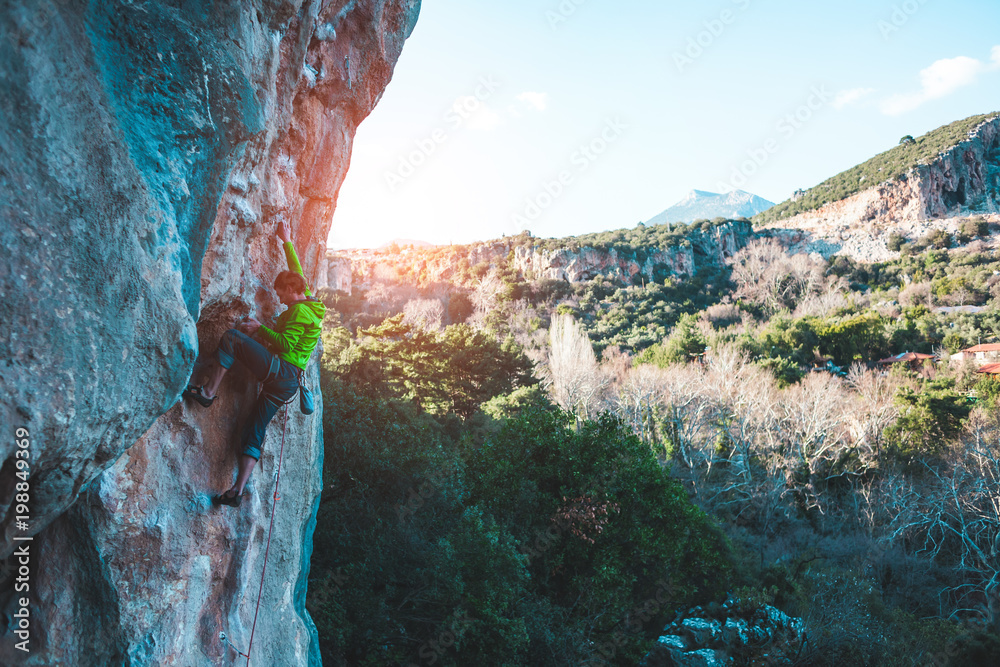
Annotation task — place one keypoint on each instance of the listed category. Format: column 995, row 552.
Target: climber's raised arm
column 285, row 234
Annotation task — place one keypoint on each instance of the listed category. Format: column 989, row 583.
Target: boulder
column 731, row 633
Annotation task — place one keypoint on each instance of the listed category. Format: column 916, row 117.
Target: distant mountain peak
column 698, row 204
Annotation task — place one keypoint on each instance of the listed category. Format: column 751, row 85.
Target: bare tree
column 815, row 416
column 381, row 297
column 745, row 403
column 425, row 313
column 874, row 410
column 766, row 275
column 917, row 293
column 574, row 377
column 524, row 325
column 638, row 399
column 486, row 298
column 688, row 416
column 826, row 300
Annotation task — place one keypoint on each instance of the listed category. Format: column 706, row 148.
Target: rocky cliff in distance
column 148, row 151
column 963, row 180
column 568, row 261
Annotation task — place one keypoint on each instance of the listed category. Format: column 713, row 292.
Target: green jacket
column 297, row 330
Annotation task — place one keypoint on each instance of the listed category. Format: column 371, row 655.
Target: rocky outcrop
column 962, row 180
column 872, row 244
column 147, row 153
column 587, row 263
column 363, row 269
column 736, row 633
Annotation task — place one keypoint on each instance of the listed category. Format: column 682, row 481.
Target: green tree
column 987, row 389
column 796, row 340
column 684, row 343
column 930, row 418
column 459, row 307
column 400, row 560
column 453, row 370
column 604, row 528
column 858, row 338
column 896, row 241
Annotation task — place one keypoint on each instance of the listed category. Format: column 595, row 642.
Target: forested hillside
column 527, row 471
column 889, row 165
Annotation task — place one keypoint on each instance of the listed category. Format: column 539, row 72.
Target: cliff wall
column 345, row 270
column 148, row 151
column 960, row 181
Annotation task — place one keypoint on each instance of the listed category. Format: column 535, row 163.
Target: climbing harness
column 277, row 480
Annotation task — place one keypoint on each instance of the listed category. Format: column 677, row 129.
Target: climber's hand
column 249, row 326
column 284, row 232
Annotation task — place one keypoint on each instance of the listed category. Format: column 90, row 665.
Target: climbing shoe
column 198, row 394
column 226, row 499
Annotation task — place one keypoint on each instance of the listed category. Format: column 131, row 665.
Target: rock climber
column 277, row 358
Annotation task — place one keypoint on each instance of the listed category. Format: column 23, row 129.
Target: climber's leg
column 215, row 375
column 274, row 394
column 235, row 345
column 247, row 464
column 253, row 431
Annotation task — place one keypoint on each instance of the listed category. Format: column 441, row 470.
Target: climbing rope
column 277, row 480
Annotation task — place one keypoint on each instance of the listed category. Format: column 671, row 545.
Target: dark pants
column 277, row 390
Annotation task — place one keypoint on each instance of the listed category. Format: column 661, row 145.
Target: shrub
column 785, row 371
column 973, row 228
column 723, row 315
column 604, row 528
column 938, row 238
column 684, row 343
column 987, row 389
column 930, row 418
column 459, row 307
column 896, row 241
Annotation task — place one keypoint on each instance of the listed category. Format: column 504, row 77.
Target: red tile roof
column 906, row 356
column 983, row 347
column 992, row 369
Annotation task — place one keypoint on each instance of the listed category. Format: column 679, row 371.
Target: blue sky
column 572, row 116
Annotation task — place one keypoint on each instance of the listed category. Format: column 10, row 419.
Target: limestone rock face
column 148, row 151
column 363, row 269
column 961, row 181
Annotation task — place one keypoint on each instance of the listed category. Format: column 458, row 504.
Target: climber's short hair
column 291, row 280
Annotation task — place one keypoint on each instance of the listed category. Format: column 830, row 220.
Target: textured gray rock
column 700, row 631
column 345, row 270
column 740, row 633
column 963, row 180
column 148, row 150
